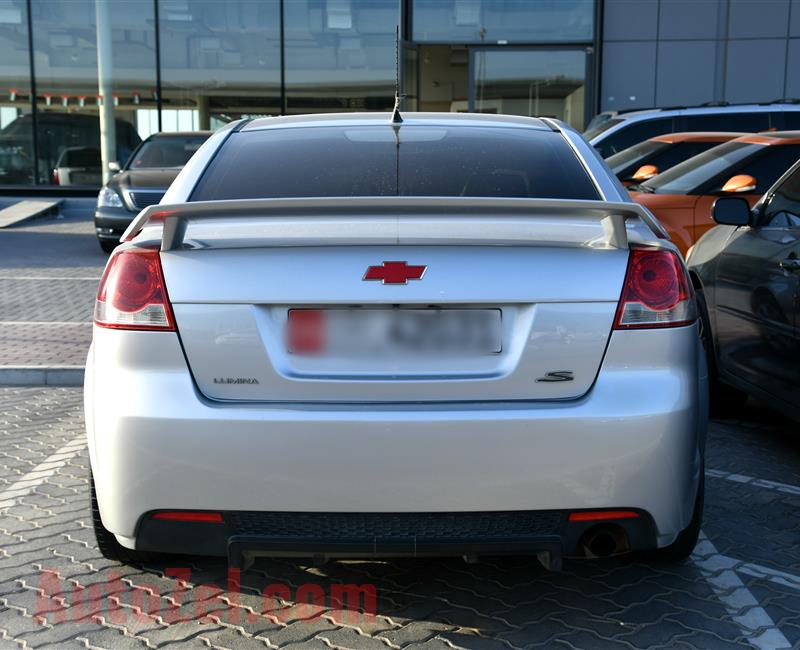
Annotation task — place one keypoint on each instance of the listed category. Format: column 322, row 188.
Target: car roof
column 699, row 136
column 409, row 119
column 178, row 134
column 771, row 138
column 710, row 107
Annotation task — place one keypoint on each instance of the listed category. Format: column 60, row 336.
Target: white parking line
column 773, row 575
column 45, row 322
column 720, row 573
column 744, row 479
column 41, row 472
column 37, row 278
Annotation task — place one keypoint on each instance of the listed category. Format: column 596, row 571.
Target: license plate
column 394, row 332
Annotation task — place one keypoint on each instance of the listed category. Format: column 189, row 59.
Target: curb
column 41, row 375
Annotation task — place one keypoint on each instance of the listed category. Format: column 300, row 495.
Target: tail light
column 657, row 292
column 56, row 180
column 132, row 294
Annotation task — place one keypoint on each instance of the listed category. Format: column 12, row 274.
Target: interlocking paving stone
column 499, row 603
column 49, row 272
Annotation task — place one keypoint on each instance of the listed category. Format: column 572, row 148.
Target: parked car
column 362, row 370
column 647, row 159
column 56, row 132
column 79, row 166
column 681, row 197
column 747, row 273
column 142, row 182
column 612, row 132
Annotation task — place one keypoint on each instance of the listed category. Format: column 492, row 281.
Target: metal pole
column 108, row 134
column 157, row 28
column 283, row 60
column 34, row 110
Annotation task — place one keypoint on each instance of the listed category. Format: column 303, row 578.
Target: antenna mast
column 396, row 117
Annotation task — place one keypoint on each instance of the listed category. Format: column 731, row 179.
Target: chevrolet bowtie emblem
column 395, row 273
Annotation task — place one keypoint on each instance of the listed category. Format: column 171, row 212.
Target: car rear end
column 508, row 364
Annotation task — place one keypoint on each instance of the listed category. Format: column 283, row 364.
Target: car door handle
column 791, row 264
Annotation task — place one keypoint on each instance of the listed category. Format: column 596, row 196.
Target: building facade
column 166, row 65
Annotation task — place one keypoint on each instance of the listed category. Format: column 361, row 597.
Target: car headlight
column 108, row 198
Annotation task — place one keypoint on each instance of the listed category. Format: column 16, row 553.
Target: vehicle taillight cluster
column 132, row 294
column 657, row 292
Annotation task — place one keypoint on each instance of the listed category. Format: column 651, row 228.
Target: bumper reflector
column 603, row 515
column 201, row 517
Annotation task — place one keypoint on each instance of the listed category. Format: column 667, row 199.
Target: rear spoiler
column 392, row 220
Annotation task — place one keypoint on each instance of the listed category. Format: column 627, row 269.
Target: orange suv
column 682, row 197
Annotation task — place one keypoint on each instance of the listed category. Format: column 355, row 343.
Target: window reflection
column 490, row 21
column 340, row 54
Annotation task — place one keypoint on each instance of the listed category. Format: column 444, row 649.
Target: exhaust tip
column 604, row 541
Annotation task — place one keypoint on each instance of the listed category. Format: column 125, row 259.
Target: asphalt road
column 740, row 589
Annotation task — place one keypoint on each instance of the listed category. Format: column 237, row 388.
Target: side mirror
column 731, row 211
column 113, row 166
column 740, row 183
column 645, row 172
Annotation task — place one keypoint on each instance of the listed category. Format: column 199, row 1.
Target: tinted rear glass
column 374, row 161
column 633, row 133
column 166, row 151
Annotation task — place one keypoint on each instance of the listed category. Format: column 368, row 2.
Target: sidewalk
column 49, row 270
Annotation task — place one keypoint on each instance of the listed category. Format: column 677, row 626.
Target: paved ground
column 742, row 589
column 49, row 270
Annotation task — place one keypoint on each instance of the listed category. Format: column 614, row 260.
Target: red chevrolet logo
column 394, row 273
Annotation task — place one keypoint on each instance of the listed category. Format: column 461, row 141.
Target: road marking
column 720, row 573
column 744, row 479
column 41, row 472
column 37, row 278
column 773, row 575
column 45, row 322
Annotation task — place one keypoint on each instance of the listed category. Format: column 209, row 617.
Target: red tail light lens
column 190, row 515
column 657, row 292
column 602, row 515
column 132, row 294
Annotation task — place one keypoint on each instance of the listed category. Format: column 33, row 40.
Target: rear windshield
column 382, row 161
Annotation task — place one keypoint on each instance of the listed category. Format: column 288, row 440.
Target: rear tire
column 108, row 545
column 108, row 245
column 682, row 547
column 722, row 398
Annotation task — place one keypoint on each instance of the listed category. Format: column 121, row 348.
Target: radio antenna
column 396, row 117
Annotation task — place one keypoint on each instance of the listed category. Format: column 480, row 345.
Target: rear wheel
column 108, row 245
column 684, row 544
column 108, row 545
column 722, row 397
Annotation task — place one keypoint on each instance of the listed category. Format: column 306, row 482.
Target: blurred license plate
column 394, row 332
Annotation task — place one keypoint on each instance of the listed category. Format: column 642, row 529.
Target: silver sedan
column 347, row 336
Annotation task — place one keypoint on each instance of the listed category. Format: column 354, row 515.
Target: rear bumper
column 243, row 535
column 634, row 441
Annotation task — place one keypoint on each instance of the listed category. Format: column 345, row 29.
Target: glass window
column 633, row 133
column 363, row 161
column 16, row 126
column 791, row 119
column 783, row 208
column 65, row 39
column 541, row 83
column 220, row 60
column 500, row 21
column 340, row 55
column 744, row 122
column 630, row 159
column 595, row 128
column 166, row 151
column 766, row 168
column 693, row 173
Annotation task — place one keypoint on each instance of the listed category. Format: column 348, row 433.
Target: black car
column 142, row 181
column 747, row 272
